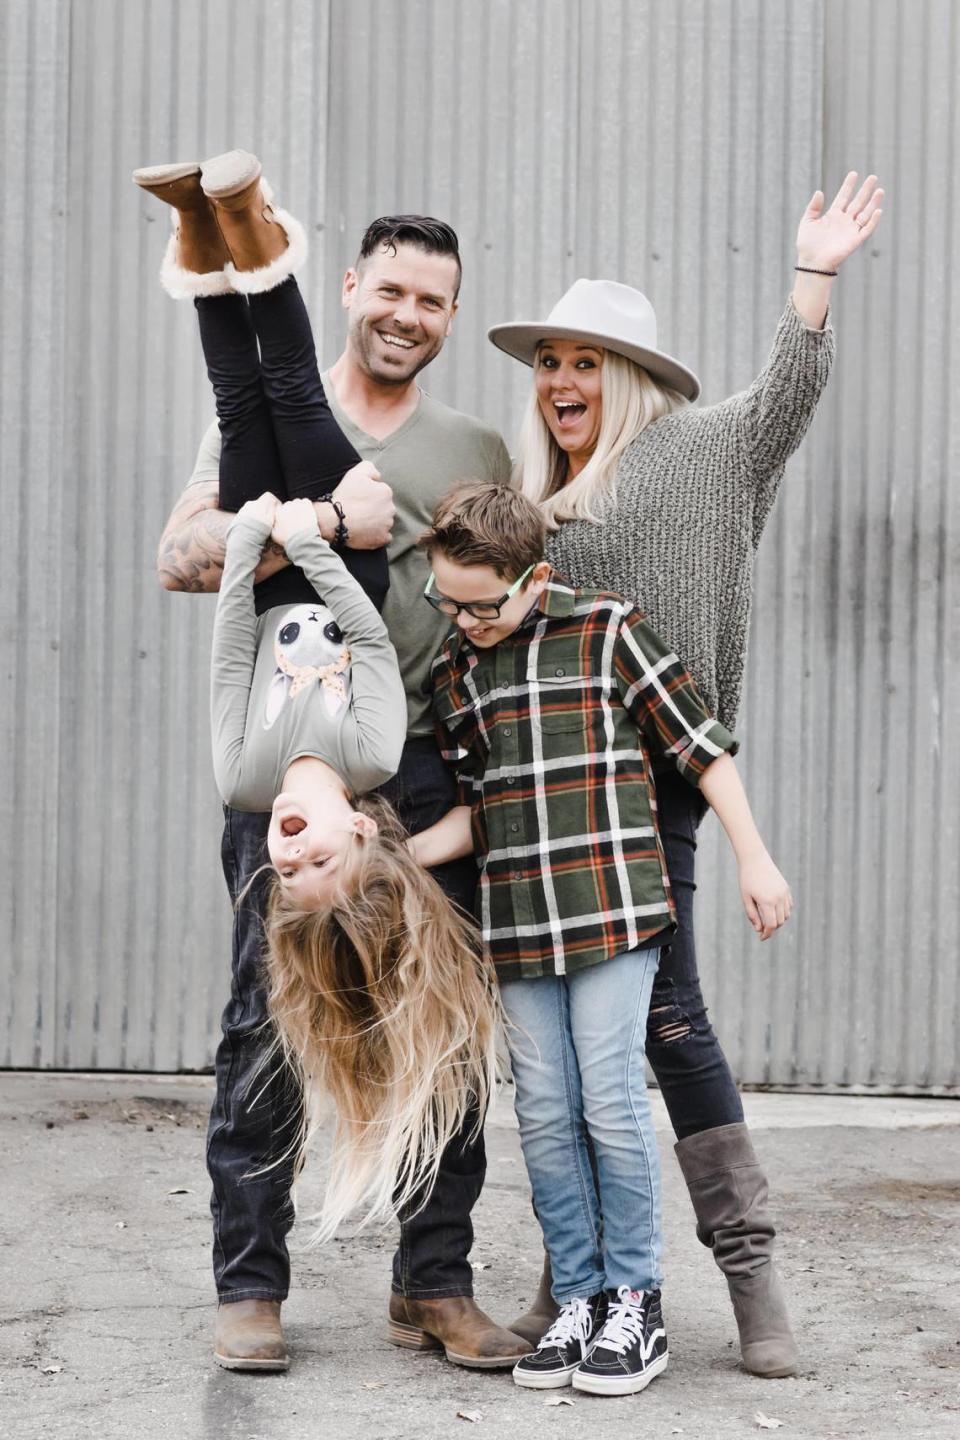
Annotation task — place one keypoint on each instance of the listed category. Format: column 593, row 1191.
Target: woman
column 381, row 998
column 666, row 504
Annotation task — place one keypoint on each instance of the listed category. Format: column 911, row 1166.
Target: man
column 401, row 299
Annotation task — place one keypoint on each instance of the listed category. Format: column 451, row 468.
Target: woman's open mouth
column 568, row 413
column 292, row 825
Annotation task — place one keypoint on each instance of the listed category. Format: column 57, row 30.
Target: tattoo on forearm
column 193, row 546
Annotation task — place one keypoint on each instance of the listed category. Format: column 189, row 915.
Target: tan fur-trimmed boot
column 266, row 243
column 729, row 1194
column 196, row 256
column 534, row 1323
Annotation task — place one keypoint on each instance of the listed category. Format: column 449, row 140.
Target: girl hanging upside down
column 382, row 1000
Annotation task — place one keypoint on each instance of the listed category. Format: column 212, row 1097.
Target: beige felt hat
column 604, row 313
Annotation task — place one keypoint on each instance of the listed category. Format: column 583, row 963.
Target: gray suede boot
column 534, row 1323
column 729, row 1194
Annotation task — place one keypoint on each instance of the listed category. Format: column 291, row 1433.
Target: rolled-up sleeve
column 455, row 728
column 660, row 695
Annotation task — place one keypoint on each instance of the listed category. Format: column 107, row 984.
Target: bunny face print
column 309, row 650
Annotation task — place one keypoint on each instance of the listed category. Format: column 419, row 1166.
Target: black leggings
column 277, row 430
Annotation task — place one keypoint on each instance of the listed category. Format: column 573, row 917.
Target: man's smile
column 398, row 340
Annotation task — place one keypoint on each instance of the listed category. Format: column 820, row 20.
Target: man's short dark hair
column 436, row 237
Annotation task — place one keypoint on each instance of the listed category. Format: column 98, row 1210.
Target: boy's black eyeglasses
column 479, row 609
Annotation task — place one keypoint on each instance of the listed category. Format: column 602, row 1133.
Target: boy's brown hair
column 480, row 523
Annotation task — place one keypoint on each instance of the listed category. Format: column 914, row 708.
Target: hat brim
column 522, row 339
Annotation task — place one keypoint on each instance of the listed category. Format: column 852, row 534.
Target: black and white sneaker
column 630, row 1349
column 565, row 1344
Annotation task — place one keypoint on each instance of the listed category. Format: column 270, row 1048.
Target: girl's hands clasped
column 292, row 517
column 263, row 509
column 765, row 893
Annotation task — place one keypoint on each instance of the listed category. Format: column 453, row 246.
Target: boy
column 546, row 699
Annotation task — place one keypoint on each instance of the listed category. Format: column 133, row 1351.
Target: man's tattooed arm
column 193, row 545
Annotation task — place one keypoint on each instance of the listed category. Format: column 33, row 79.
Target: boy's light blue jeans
column 577, row 1048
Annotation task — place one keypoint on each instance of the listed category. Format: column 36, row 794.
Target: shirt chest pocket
column 565, row 700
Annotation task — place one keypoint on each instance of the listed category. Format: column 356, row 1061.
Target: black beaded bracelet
column 341, row 534
column 808, row 271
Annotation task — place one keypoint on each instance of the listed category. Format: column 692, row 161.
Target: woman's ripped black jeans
column 685, row 1054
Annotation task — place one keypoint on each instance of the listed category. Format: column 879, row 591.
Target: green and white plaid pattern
column 549, row 733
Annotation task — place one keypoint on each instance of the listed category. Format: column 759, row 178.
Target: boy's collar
column 556, row 599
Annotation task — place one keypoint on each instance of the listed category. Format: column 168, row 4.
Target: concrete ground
column 105, row 1302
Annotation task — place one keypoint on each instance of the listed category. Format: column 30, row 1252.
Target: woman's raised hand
column 264, row 509
column 827, row 237
column 292, row 517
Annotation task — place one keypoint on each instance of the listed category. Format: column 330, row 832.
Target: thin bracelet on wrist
column 808, row 270
column 341, row 534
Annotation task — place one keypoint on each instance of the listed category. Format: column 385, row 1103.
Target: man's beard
column 376, row 369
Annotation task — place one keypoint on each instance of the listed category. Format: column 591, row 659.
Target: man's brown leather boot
column 197, row 255
column 266, row 244
column 534, row 1323
column 248, row 1336
column 456, row 1325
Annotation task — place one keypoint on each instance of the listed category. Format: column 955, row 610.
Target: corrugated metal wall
column 670, row 145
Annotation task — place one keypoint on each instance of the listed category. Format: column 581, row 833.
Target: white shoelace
column 624, row 1324
column 573, row 1323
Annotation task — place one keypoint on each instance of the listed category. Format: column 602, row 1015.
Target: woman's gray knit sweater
column 693, row 493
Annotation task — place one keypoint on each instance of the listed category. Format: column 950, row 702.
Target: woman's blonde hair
column 385, row 1005
column 632, row 400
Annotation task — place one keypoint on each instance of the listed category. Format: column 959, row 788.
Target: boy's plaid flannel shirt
column 543, row 732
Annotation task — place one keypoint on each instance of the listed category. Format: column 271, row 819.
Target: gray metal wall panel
column 893, row 86
column 855, row 621
column 668, row 145
column 33, row 47
column 143, row 955
column 469, row 113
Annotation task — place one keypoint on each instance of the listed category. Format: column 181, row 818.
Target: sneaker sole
column 629, row 1385
column 560, row 1380
column 410, row 1337
column 233, row 1362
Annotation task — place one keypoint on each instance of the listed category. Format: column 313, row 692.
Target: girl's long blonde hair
column 632, row 400
column 386, row 1006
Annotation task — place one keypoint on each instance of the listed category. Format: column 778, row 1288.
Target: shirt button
column 511, row 780
column 560, row 672
column 514, row 827
column 517, row 875
column 507, row 730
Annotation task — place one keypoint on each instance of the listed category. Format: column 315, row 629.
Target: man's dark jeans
column 255, row 1115
column 691, row 1068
